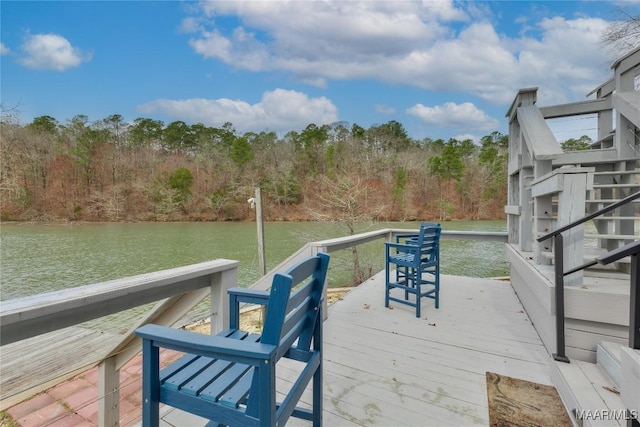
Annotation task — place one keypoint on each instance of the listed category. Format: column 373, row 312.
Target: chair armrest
column 249, row 295
column 238, row 295
column 400, row 248
column 406, row 236
column 403, row 246
column 251, row 353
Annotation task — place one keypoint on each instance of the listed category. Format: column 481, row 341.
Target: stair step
column 591, row 256
column 605, row 236
column 621, row 218
column 598, row 161
column 609, row 201
column 630, row 379
column 608, row 359
column 611, row 236
column 631, row 172
column 620, row 277
column 585, row 390
column 630, row 185
column 611, row 266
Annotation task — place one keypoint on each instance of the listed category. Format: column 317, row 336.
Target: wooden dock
column 387, row 367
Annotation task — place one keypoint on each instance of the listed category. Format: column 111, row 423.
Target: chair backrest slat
column 291, row 315
column 429, row 241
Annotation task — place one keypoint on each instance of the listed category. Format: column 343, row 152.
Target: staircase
column 598, row 394
column 612, row 182
column 581, row 315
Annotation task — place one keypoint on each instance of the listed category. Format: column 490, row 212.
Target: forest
column 146, row 170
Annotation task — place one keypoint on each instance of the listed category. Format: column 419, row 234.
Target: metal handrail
column 611, row 256
column 632, row 249
column 589, row 217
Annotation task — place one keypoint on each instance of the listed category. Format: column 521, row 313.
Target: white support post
column 260, row 225
column 514, row 210
column 109, row 393
column 220, row 284
column 543, row 213
column 571, row 202
column 314, row 251
column 526, row 210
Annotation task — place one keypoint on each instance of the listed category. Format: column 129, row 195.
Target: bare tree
column 623, row 35
column 344, row 201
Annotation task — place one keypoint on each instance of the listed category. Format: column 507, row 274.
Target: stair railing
column 631, row 249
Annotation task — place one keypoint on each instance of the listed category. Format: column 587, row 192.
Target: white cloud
column 320, row 38
column 569, row 60
column 241, row 50
column 190, row 25
column 435, row 45
column 4, row 50
column 456, row 116
column 279, row 110
column 51, row 52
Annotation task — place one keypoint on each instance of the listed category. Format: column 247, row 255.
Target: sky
column 441, row 68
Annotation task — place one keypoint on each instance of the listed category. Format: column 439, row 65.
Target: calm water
column 40, row 258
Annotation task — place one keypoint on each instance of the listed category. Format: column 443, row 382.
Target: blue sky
column 441, row 68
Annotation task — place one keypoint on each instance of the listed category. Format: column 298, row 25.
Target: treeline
column 111, row 170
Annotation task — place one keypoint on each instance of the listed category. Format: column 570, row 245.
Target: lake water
column 40, row 258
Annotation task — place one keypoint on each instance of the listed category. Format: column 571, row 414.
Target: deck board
column 36, row 361
column 387, row 367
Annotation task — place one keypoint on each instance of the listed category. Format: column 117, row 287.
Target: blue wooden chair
column 409, row 238
column 230, row 378
column 416, row 261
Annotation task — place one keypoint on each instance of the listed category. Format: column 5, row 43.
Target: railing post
column 108, row 393
column 220, row 284
column 572, row 207
column 325, row 303
column 634, row 322
column 634, row 301
column 559, row 271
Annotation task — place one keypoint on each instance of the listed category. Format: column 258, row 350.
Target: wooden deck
column 387, row 367
column 34, row 364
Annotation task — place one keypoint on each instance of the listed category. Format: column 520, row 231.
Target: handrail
column 346, row 242
column 614, row 255
column 630, row 249
column 611, row 256
column 29, row 316
column 591, row 216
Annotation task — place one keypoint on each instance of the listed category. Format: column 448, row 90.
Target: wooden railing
column 178, row 290
column 387, row 234
column 537, row 165
column 549, row 188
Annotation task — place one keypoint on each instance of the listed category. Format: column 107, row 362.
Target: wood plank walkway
column 387, row 367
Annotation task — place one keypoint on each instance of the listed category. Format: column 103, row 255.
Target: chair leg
column 386, row 284
column 437, row 282
column 150, row 384
column 407, row 280
column 317, row 397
